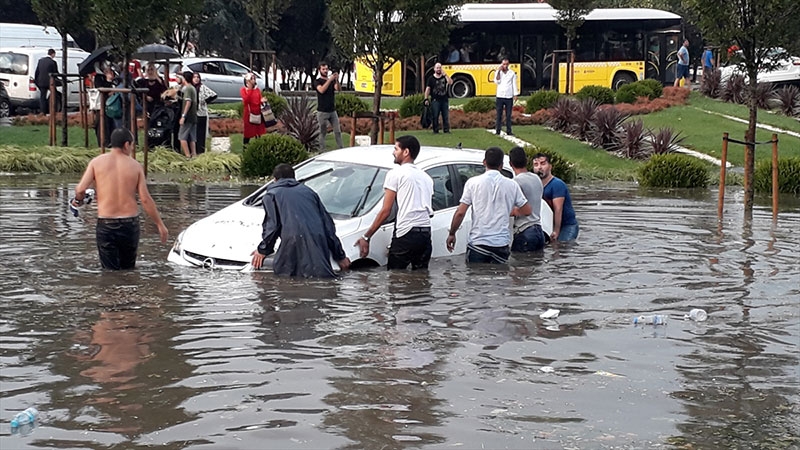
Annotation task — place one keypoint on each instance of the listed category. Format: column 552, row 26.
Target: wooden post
column 774, row 176
column 102, row 124
column 421, row 73
column 84, row 113
column 132, row 100
column 380, row 128
column 570, row 74
column 391, row 128
column 722, row 170
column 353, row 132
column 52, row 108
column 145, row 126
column 553, row 73
column 747, row 164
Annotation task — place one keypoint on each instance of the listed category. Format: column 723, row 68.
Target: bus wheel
column 622, row 79
column 462, row 87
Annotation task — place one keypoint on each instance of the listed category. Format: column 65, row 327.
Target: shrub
column 762, row 94
column 788, row 176
column 264, row 153
column 240, row 109
column 631, row 138
column 628, row 93
column 674, row 171
column 604, row 128
column 541, row 100
column 412, row 106
column 301, row 122
column 276, row 102
column 711, row 83
column 347, row 104
column 582, row 120
column 479, row 104
column 600, row 94
column 663, row 141
column 788, row 100
column 562, row 114
column 562, row 168
column 733, row 89
column 655, row 85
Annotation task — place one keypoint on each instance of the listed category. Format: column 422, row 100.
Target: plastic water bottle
column 88, row 197
column 25, row 417
column 655, row 319
column 697, row 314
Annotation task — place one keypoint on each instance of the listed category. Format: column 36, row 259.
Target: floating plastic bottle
column 25, row 417
column 655, row 319
column 697, row 314
column 88, row 197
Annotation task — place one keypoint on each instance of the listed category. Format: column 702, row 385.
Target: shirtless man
column 117, row 179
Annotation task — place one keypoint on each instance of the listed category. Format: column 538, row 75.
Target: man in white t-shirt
column 412, row 189
column 493, row 198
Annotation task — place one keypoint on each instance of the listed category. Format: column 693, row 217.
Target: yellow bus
column 614, row 46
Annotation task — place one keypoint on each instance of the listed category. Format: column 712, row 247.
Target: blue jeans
column 531, row 239
column 442, row 107
column 500, row 104
column 568, row 233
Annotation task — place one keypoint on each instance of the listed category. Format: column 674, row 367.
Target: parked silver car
column 223, row 76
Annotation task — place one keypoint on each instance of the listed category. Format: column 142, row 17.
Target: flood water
column 174, row 358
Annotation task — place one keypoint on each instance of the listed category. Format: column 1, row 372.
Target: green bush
column 788, row 176
column 674, row 171
column 602, row 95
column 655, row 85
column 479, row 104
column 277, row 103
column 240, row 109
column 562, row 168
column 541, row 100
column 347, row 104
column 412, row 106
column 262, row 154
column 628, row 93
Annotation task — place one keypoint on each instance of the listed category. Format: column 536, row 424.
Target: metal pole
column 103, row 119
column 145, row 126
column 722, row 170
column 132, row 100
column 774, row 176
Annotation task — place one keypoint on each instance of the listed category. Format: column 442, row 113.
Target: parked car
column 223, row 76
column 28, row 35
column 786, row 72
column 17, row 69
column 350, row 184
column 5, row 101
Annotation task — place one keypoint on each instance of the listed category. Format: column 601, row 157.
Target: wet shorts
column 188, row 132
column 683, row 71
column 117, row 242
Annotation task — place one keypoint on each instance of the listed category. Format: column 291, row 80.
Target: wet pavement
column 457, row 357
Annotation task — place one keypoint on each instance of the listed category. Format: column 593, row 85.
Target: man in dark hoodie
column 295, row 214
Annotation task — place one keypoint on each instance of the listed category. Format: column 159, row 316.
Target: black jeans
column 412, row 248
column 200, row 144
column 500, row 104
column 44, row 105
column 117, row 242
column 441, row 106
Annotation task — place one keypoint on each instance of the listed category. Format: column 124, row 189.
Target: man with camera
column 326, row 85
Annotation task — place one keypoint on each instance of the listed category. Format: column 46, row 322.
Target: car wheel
column 462, row 87
column 622, row 79
column 5, row 108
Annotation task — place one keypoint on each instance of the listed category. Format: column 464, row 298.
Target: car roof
column 209, row 58
column 381, row 155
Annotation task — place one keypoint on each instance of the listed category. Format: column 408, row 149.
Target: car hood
column 232, row 233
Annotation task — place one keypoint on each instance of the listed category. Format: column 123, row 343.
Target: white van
column 25, row 35
column 17, row 69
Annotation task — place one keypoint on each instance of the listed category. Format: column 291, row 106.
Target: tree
column 265, row 14
column 302, row 36
column 381, row 32
column 190, row 15
column 227, row 30
column 66, row 16
column 757, row 27
column 571, row 14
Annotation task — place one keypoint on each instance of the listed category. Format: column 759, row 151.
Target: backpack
column 114, row 106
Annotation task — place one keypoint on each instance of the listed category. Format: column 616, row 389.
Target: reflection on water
column 176, row 358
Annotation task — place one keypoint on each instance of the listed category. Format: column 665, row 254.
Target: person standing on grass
column 708, row 61
column 41, row 76
column 187, row 133
column 556, row 194
column 683, row 66
column 251, row 98
column 204, row 96
column 327, row 84
column 507, row 92
column 436, row 90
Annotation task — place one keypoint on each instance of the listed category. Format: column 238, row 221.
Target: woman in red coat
column 251, row 97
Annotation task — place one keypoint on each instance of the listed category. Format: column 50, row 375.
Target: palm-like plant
column 762, row 95
column 733, row 90
column 631, row 137
column 712, row 81
column 663, row 141
column 301, row 122
column 563, row 114
column 788, row 100
column 584, row 113
column 604, row 128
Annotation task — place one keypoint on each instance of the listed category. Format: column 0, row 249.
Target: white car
column 223, row 76
column 787, row 71
column 350, row 184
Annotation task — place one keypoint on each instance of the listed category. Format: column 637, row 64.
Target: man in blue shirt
column 708, row 61
column 556, row 194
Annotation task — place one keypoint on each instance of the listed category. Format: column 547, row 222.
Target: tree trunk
column 64, row 88
column 376, row 101
column 749, row 150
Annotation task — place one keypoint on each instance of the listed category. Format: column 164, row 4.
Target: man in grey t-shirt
column 187, row 133
column 528, row 234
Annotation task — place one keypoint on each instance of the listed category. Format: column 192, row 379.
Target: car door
column 213, row 75
column 444, row 203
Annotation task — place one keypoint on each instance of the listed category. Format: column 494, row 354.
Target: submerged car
column 350, row 184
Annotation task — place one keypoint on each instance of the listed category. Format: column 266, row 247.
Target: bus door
column 662, row 55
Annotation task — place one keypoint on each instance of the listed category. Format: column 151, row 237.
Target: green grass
column 38, row 135
column 703, row 133
column 772, row 118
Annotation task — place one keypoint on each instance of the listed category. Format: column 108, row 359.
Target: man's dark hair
column 518, row 158
column 120, row 136
column 494, row 158
column 322, row 63
column 542, row 155
column 187, row 75
column 411, row 143
column 51, row 52
column 283, row 170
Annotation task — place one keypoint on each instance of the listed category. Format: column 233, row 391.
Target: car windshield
column 347, row 190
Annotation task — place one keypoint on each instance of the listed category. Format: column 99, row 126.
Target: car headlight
column 177, row 247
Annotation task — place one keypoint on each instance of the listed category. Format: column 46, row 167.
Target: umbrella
column 86, row 66
column 152, row 52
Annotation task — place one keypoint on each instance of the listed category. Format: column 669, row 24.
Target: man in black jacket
column 44, row 68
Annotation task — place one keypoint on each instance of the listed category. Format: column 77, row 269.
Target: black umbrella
column 87, row 65
column 152, row 52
